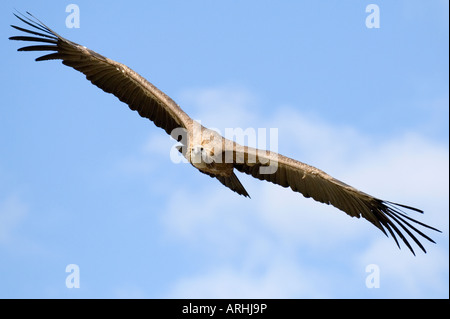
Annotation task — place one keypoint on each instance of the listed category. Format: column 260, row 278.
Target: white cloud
column 407, row 166
column 280, row 279
column 155, row 150
column 405, row 276
column 12, row 213
column 129, row 292
column 266, row 246
column 220, row 107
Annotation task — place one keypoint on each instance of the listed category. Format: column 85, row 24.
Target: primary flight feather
column 213, row 154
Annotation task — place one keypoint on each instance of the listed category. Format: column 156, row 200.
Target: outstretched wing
column 314, row 183
column 108, row 75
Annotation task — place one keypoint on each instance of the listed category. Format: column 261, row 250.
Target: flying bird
column 211, row 153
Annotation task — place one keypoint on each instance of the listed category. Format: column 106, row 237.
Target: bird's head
column 197, row 154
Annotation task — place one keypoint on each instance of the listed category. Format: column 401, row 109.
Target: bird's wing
column 314, row 183
column 108, row 75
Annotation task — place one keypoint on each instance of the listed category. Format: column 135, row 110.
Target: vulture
column 213, row 154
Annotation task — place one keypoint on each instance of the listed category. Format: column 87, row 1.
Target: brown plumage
column 208, row 151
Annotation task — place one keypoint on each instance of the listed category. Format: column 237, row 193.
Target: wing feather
column 110, row 76
column 314, row 183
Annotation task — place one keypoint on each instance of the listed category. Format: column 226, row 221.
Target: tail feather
column 232, row 182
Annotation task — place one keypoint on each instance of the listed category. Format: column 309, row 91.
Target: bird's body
column 205, row 151
column 211, row 153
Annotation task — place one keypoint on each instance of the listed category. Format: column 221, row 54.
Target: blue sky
column 85, row 181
